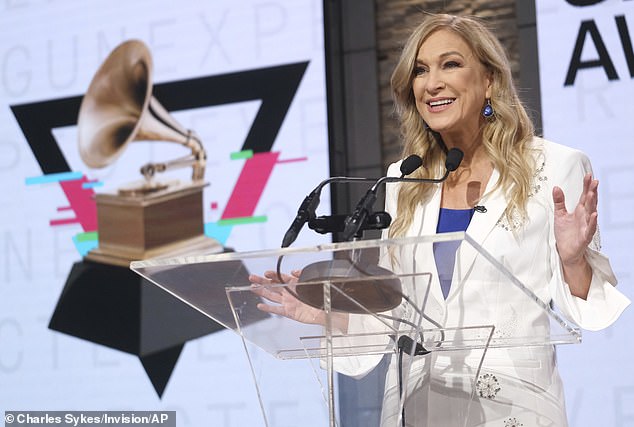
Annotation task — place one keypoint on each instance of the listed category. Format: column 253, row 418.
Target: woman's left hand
column 574, row 230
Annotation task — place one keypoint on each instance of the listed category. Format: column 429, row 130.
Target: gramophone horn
column 118, row 108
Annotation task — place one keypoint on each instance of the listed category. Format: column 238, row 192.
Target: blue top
column 445, row 252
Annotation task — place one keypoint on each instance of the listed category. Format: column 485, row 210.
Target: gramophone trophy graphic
column 148, row 218
column 103, row 301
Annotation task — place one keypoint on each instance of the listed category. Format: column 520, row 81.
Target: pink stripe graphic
column 297, row 159
column 82, row 202
column 250, row 185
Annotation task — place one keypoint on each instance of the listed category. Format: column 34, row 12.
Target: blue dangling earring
column 487, row 111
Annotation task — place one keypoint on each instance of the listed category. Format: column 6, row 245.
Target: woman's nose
column 434, row 81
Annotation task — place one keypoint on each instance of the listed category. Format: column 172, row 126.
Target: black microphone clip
column 406, row 345
column 353, row 224
column 336, row 223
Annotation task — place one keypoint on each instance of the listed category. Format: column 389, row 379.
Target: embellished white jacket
column 518, row 385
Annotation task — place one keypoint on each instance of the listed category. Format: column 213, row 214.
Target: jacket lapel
column 481, row 225
column 425, row 253
column 479, row 229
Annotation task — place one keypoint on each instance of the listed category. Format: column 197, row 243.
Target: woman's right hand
column 284, row 302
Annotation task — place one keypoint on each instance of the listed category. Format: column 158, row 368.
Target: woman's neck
column 469, row 142
column 465, row 186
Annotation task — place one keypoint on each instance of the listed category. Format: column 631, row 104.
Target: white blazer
column 517, row 386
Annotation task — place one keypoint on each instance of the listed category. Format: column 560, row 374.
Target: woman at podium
column 530, row 202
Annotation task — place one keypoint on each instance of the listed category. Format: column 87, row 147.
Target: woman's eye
column 451, row 64
column 419, row 70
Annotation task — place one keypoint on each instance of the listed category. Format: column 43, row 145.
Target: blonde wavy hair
column 506, row 138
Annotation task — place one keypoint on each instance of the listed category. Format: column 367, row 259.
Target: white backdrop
column 589, row 106
column 50, row 50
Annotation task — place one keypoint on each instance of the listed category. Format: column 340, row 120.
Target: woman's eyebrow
column 442, row 56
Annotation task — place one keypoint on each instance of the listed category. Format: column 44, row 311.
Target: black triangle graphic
column 160, row 365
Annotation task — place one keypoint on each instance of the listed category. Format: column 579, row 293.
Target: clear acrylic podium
column 389, row 303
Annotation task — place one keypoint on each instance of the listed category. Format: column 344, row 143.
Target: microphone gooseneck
column 308, row 207
column 374, row 288
column 354, row 222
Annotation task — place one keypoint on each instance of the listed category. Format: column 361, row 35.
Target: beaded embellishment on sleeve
column 516, row 221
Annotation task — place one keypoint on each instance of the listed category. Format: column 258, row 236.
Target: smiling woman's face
column 450, row 85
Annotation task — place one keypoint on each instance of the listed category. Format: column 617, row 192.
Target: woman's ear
column 489, row 81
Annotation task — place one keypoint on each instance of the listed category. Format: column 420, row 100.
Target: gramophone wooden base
column 200, row 245
column 166, row 223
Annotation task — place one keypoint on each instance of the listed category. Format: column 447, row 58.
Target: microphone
column 354, row 222
column 375, row 220
column 308, row 207
column 410, row 164
column 453, row 159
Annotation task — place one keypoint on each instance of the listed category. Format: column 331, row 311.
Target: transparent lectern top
column 388, row 286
